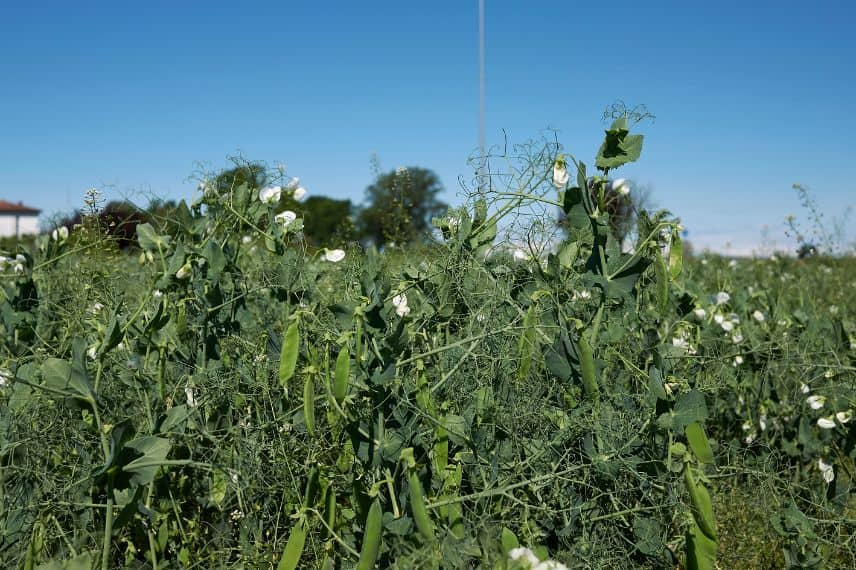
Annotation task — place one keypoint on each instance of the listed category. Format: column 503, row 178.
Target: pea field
column 220, row 394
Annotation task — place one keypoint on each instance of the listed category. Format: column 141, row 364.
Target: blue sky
column 750, row 96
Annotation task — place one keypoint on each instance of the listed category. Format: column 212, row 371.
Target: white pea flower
column 833, row 309
column 550, row 565
column 299, row 193
column 680, row 342
column 285, row 218
column 270, row 195
column 582, row 294
column 759, row 316
column 560, row 173
column 747, row 425
column 523, row 555
column 804, row 388
column 191, row 399
column 718, row 319
column 727, row 326
column 5, row 377
column 762, row 422
column 20, row 258
column 844, row 417
column 157, row 293
column 55, row 235
column 19, row 268
column 738, row 360
column 293, row 183
column 749, row 439
column 183, row 272
column 816, row 402
column 400, row 304
column 95, row 308
column 825, row 423
column 334, row 255
column 737, row 338
column 700, row 313
column 826, row 470
column 721, row 298
column 732, row 263
column 520, row 255
column 830, row 373
column 246, row 239
column 92, row 352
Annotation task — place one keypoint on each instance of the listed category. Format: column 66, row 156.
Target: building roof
column 19, row 208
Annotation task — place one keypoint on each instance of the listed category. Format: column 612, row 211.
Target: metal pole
column 481, row 94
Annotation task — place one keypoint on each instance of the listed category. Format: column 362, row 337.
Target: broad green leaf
column 149, row 238
column 689, row 408
column 154, row 451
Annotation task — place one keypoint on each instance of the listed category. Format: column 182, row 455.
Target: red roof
column 19, row 208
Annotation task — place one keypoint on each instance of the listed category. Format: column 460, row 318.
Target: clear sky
column 750, row 96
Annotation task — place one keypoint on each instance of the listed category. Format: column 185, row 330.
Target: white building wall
column 26, row 225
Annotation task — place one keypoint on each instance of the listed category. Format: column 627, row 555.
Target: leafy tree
column 400, row 206
column 252, row 173
column 326, row 221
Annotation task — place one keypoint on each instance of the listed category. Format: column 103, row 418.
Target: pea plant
column 225, row 396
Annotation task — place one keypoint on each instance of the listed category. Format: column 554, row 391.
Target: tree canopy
column 400, row 205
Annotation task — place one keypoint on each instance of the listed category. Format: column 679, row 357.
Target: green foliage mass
column 400, row 206
column 227, row 398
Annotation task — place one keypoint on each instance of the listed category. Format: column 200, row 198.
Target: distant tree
column 117, row 220
column 400, row 205
column 326, row 221
column 251, row 173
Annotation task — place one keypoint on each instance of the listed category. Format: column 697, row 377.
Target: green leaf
column 149, row 238
column 154, row 451
column 70, row 380
column 649, row 536
column 689, row 408
column 699, row 443
column 509, row 541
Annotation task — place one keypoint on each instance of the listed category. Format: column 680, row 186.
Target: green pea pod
column 526, row 344
column 676, row 255
column 700, row 550
column 661, row 278
column 330, row 511
column 423, row 393
column 340, row 379
column 587, row 370
column 702, row 506
column 288, row 354
column 441, row 449
column 313, row 488
column 309, row 404
column 294, row 546
column 699, row 443
column 372, row 537
column 417, row 506
column 181, row 321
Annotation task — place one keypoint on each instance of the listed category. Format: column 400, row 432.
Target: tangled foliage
column 230, row 399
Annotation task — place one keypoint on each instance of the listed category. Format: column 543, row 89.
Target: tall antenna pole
column 481, row 94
